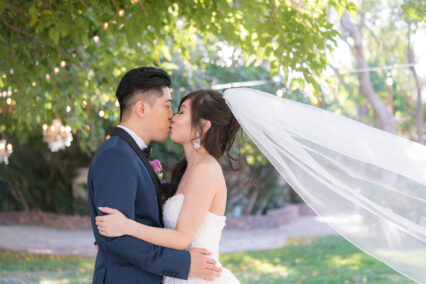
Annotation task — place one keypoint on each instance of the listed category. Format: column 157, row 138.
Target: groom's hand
column 202, row 266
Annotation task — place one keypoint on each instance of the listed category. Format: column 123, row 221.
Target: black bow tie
column 147, row 151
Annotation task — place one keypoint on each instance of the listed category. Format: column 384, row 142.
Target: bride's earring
column 197, row 144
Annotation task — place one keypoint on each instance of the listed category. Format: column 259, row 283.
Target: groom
column 121, row 177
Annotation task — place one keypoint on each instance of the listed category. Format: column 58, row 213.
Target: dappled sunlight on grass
column 311, row 260
column 303, row 260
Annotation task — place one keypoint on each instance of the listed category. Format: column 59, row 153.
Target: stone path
column 64, row 242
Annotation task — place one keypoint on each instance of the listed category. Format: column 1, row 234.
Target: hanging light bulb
column 6, row 150
column 57, row 135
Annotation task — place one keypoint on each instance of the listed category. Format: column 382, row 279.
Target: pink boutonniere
column 158, row 168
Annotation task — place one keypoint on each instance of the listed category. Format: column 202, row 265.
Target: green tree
column 55, row 54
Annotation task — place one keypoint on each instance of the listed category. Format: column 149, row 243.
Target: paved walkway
column 61, row 242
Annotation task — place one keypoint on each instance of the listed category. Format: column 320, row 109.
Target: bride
column 196, row 198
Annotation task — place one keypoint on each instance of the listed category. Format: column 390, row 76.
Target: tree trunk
column 383, row 119
column 420, row 118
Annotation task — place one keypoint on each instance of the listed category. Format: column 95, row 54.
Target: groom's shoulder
column 115, row 148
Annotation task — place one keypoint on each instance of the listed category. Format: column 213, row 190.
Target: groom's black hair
column 137, row 83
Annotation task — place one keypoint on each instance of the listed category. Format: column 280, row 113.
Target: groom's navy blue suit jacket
column 121, row 178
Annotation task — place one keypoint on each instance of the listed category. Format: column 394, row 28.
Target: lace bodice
column 208, row 236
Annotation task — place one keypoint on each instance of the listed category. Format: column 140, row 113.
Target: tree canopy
column 63, row 59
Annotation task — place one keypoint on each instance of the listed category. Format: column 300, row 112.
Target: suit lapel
column 126, row 136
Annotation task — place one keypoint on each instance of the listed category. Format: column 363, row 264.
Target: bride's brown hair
column 219, row 138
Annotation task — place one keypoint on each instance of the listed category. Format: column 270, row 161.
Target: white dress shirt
column 136, row 137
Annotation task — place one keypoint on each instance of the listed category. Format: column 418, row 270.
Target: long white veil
column 368, row 184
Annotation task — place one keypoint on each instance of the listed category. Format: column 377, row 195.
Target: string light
column 11, row 71
column 389, row 80
column 101, row 113
column 84, row 103
column 34, row 84
column 96, row 39
column 107, row 137
column 63, row 63
column 9, row 101
column 68, row 108
column 56, row 70
column 117, row 104
column 120, row 26
column 47, row 77
column 121, row 13
column 105, row 25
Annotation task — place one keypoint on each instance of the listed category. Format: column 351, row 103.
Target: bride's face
column 181, row 130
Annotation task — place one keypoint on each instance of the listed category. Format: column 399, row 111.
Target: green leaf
column 54, row 35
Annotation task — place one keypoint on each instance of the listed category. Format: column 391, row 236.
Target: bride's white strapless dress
column 208, row 237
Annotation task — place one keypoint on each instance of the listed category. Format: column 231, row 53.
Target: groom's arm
column 115, row 185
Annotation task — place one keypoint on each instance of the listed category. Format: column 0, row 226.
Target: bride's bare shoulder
column 207, row 173
column 208, row 166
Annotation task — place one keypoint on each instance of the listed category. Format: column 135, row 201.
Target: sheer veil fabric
column 369, row 185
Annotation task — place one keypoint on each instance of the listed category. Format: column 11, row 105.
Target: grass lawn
column 302, row 260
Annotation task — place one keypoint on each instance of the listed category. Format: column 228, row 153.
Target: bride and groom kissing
column 146, row 231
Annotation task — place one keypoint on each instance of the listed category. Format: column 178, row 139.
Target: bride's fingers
column 107, row 210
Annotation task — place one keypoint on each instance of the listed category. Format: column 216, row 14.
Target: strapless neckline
column 208, row 212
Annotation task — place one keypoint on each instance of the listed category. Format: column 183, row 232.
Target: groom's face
column 160, row 116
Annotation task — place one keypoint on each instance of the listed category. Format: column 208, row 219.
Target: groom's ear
column 141, row 108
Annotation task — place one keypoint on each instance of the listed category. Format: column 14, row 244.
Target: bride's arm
column 199, row 193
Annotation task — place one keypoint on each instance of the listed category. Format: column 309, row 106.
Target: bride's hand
column 115, row 224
